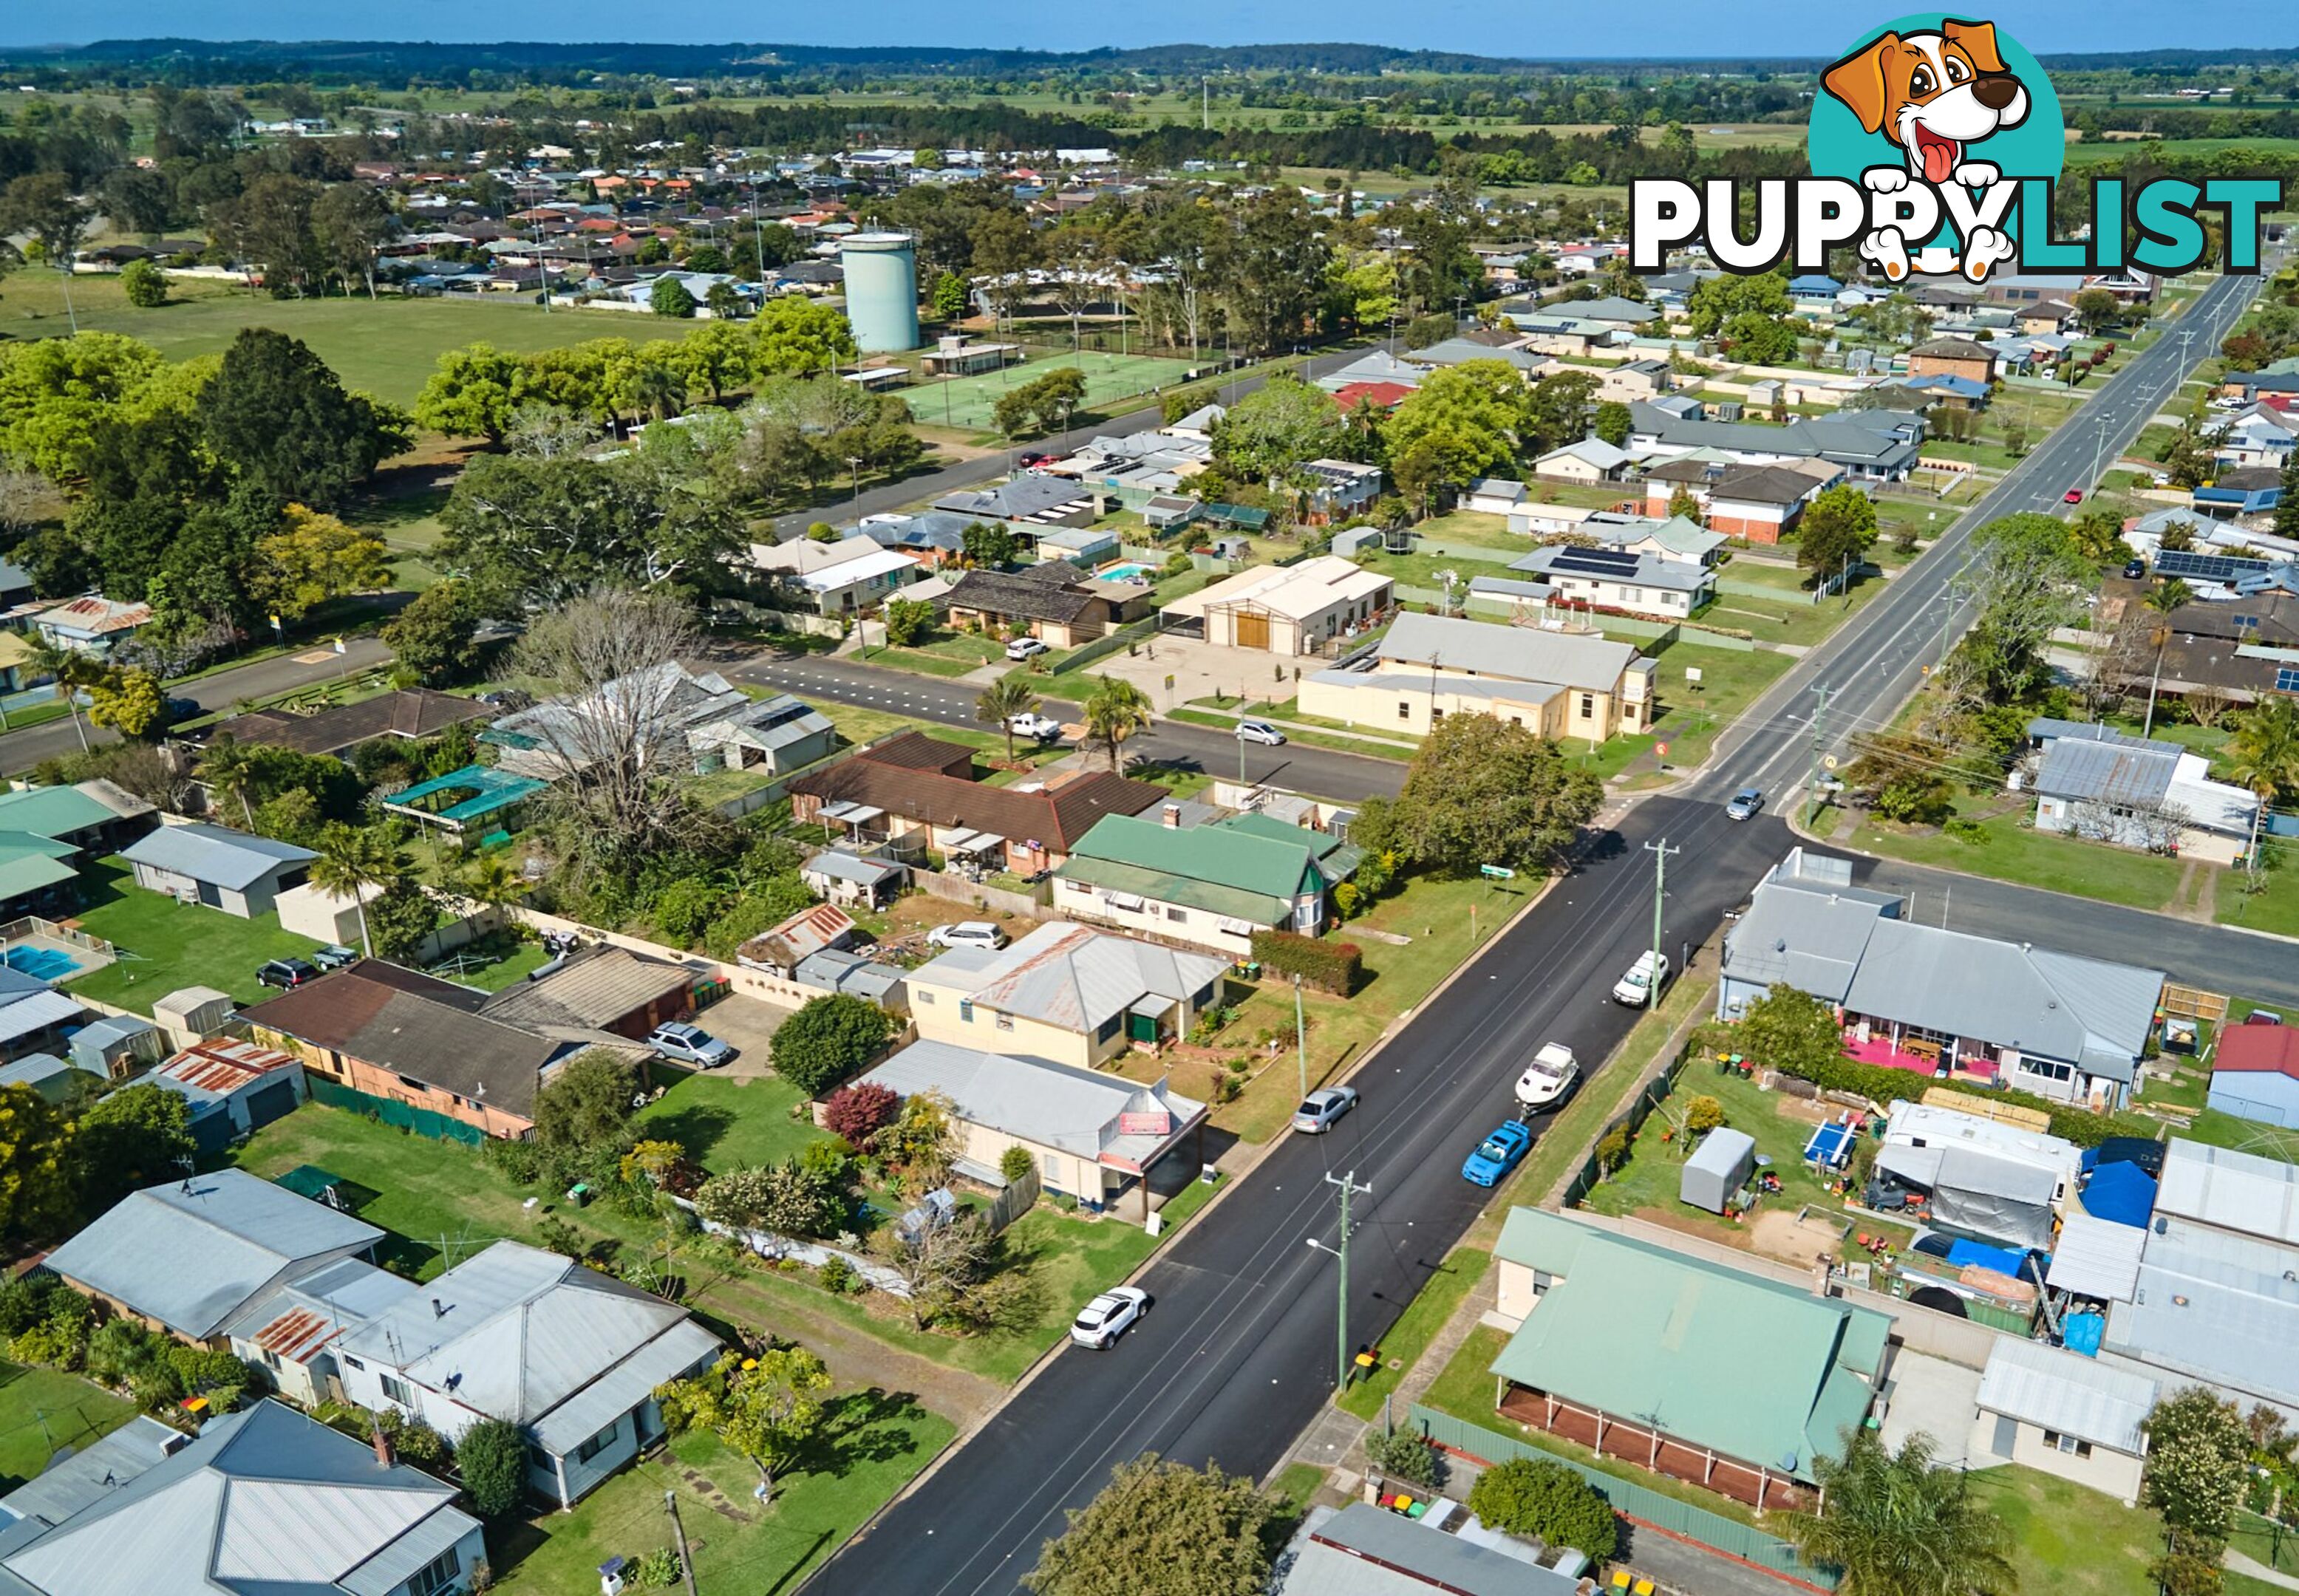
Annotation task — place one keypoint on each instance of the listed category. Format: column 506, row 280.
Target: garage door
column 270, row 1103
column 1252, row 630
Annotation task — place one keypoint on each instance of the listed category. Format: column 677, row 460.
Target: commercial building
column 1557, row 683
column 1294, row 610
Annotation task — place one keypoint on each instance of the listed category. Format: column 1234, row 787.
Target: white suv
column 1024, row 647
column 967, row 933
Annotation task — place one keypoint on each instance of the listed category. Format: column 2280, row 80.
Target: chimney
column 1173, row 815
column 382, row 1443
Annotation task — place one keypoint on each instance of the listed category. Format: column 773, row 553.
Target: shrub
column 838, row 1277
column 1613, row 1149
column 1402, row 1455
column 414, row 1440
column 146, row 285
column 1335, row 967
column 1968, row 830
column 1016, row 1164
column 657, row 1570
column 1702, row 1114
column 492, row 1458
column 1524, row 1497
column 858, row 1113
column 555, row 1235
column 829, row 1039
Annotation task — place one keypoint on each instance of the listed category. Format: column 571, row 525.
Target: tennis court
column 965, row 402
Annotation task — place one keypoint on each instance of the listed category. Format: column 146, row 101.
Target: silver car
column 1745, row 804
column 690, row 1045
column 1260, row 732
column 1321, row 1107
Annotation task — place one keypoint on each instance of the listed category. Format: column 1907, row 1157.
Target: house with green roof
column 1721, row 1378
column 1210, row 886
column 46, row 831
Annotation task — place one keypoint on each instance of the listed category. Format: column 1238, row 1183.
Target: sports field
column 965, row 402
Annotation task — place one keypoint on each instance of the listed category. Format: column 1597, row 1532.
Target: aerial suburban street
column 1238, row 1355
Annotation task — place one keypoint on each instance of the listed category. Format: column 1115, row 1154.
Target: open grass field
column 726, row 1122
column 385, row 347
column 965, row 402
column 43, row 1411
column 871, row 1444
column 165, row 945
column 2017, row 853
column 2071, row 1541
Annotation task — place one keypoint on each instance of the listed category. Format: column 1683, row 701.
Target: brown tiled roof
column 1762, row 484
column 915, row 750
column 413, row 1025
column 1057, row 816
column 411, row 712
column 1023, row 593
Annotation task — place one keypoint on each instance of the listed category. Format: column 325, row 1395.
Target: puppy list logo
column 1937, row 145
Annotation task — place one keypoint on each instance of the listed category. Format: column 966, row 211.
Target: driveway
column 1931, row 1396
column 747, row 1025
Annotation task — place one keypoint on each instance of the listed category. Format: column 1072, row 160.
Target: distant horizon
column 2045, row 27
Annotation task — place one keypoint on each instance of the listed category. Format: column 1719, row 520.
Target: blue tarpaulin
column 2003, row 1260
column 2084, row 1332
column 2120, row 1193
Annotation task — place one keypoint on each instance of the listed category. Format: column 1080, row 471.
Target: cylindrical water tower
column 881, row 290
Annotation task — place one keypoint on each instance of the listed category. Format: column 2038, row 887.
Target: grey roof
column 2080, row 1011
column 1812, row 938
column 95, row 1471
column 1497, row 690
column 1650, row 570
column 835, row 970
column 236, row 860
column 846, row 868
column 1035, row 1099
column 36, row 1011
column 521, row 1334
column 2218, row 1307
column 1374, row 365
column 928, row 529
column 2045, row 729
column 2230, row 1190
column 192, row 1254
column 769, row 724
column 2069, row 1392
column 1507, row 587
column 301, row 1318
column 35, row 1068
column 1595, row 451
column 1071, row 977
column 2105, row 773
column 596, row 988
column 265, row 1502
column 1453, row 351
column 1612, row 307
column 1811, row 437
column 1511, row 652
column 1024, row 496
column 2096, row 1257
column 1366, row 1551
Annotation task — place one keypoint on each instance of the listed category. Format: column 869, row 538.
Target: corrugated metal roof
column 676, row 1352
column 2104, row 773
column 36, row 1012
column 1073, row 977
column 2218, row 1306
column 1811, row 939
column 190, row 1254
column 2069, row 1392
column 1366, row 1551
column 2230, row 1190
column 223, row 1065
column 2096, row 1258
column 1032, row 1098
column 1514, row 653
column 205, row 853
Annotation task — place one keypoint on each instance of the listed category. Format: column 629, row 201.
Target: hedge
column 1883, row 1084
column 1335, row 967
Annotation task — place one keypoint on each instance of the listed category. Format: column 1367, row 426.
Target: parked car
column 1745, row 804
column 1030, row 460
column 1043, row 728
column 967, row 933
column 335, row 955
column 1100, row 1322
column 2135, row 567
column 1024, row 648
column 1321, row 1107
column 2073, row 496
column 689, row 1044
column 286, row 974
column 1260, row 732
column 174, row 710
column 1645, row 978
column 1547, row 1078
column 1497, row 1153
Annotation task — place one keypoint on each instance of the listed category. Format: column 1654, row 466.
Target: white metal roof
column 2096, row 1258
column 2069, row 1392
column 2230, row 1190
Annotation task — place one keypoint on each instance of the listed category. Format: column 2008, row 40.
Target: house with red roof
column 1387, row 395
column 2255, row 1073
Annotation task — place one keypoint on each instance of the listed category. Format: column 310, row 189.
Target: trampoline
column 1831, row 1147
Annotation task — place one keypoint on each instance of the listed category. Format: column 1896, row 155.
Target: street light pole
column 1301, row 1036
column 854, row 463
column 1348, row 1187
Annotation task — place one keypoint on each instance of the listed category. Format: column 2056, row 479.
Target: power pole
column 1819, row 744
column 1300, row 1035
column 1660, row 852
column 685, row 1562
column 1348, row 1186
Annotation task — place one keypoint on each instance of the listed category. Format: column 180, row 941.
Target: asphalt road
column 973, row 473
column 1239, row 1353
column 1344, row 778
column 282, row 672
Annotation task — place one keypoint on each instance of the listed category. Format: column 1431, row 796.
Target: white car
column 1043, row 728
column 1321, row 1107
column 1260, row 732
column 1547, row 1078
column 689, row 1044
column 1645, row 977
column 1100, row 1322
column 967, row 933
column 1023, row 648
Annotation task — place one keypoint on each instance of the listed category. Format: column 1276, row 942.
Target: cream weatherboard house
column 1068, row 993
column 1557, row 683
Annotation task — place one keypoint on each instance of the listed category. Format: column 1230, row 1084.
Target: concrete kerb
column 951, row 1448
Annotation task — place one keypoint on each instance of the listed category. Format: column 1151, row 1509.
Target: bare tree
column 613, row 736
column 544, row 432
column 26, row 499
column 2208, row 704
column 2109, row 670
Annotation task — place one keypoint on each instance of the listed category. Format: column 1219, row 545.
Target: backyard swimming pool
column 1132, row 571
column 43, row 963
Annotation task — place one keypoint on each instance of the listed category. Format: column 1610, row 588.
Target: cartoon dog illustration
column 1934, row 95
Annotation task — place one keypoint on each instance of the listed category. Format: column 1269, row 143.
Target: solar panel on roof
column 2208, row 568
column 1601, row 562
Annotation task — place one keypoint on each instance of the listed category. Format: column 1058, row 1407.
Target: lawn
column 2275, row 907
column 494, row 961
column 872, row 1445
column 727, row 1123
column 165, row 946
column 385, row 347
column 2220, row 1129
column 2014, row 852
column 1691, row 715
column 1417, row 1326
column 967, row 402
column 2070, row 1540
column 43, row 1411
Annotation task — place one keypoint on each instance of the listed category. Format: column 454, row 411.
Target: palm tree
column 2165, row 600
column 228, row 769
column 656, row 390
column 2264, row 756
column 71, row 669
column 1116, row 712
column 351, row 859
column 491, row 879
column 1898, row 1525
column 1001, row 702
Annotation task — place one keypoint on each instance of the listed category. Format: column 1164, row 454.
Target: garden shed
column 1718, row 1168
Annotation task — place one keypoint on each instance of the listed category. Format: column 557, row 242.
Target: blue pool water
column 43, row 964
column 1130, row 571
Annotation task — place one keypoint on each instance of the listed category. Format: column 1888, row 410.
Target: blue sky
column 1646, row 27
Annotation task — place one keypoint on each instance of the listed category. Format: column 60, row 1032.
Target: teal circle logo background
column 1840, row 147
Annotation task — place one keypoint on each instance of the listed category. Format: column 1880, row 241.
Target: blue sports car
column 1497, row 1155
